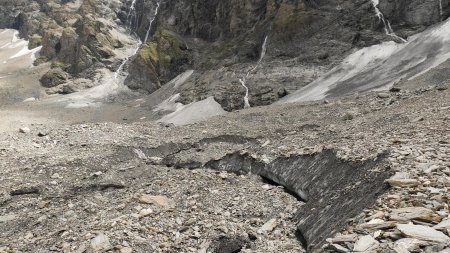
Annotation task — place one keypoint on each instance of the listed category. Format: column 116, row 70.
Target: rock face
column 76, row 36
column 305, row 38
column 221, row 40
column 409, row 16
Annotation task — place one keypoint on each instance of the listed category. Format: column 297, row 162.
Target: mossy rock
column 164, row 54
column 35, row 41
column 54, row 77
column 40, row 60
column 293, row 19
column 60, row 65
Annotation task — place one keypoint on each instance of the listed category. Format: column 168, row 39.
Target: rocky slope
column 145, row 187
column 361, row 173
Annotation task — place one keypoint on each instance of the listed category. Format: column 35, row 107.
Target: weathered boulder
column 54, row 77
column 412, row 213
column 424, row 233
column 366, row 244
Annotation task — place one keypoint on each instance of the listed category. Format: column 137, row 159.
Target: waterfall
column 246, row 97
column 380, row 15
column 151, row 22
column 441, row 10
column 244, row 79
column 131, row 13
column 122, row 65
column 387, row 25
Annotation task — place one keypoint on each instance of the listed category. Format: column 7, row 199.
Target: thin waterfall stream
column 151, row 22
column 122, row 65
column 244, row 79
column 387, row 25
column 131, row 14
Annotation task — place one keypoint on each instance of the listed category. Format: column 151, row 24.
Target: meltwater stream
column 379, row 67
column 244, row 79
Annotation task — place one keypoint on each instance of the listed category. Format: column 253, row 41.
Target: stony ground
column 93, row 188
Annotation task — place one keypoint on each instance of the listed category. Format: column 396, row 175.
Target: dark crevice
column 169, row 150
column 228, row 245
column 244, row 164
column 228, row 138
column 288, row 191
column 58, row 47
column 301, row 238
column 96, row 187
column 335, row 190
column 25, row 191
column 182, row 165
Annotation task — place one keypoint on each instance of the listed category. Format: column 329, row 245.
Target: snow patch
column 82, row 104
column 14, row 52
column 379, row 67
column 169, row 104
column 25, row 51
column 194, row 112
column 181, row 79
column 32, row 99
